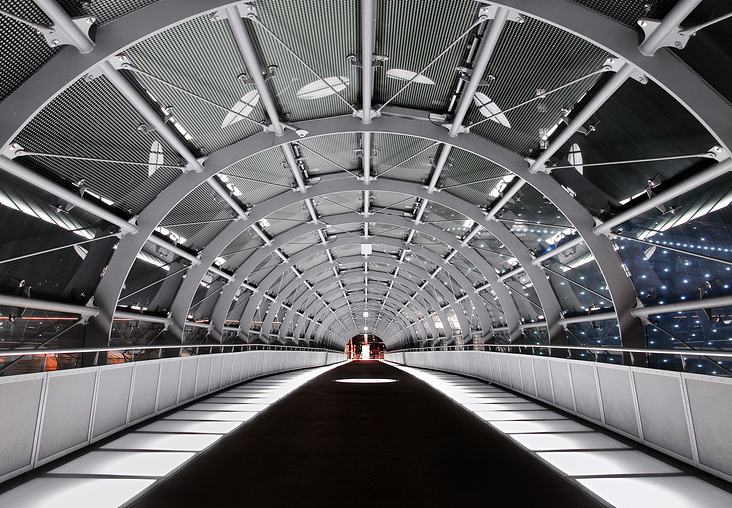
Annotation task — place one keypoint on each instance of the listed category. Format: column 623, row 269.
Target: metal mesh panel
column 19, row 403
column 145, row 390
column 260, row 177
column 67, row 413
column 628, row 12
column 103, row 10
column 202, row 204
column 22, row 50
column 661, row 405
column 393, row 151
column 336, row 25
column 411, row 35
column 617, row 399
column 112, row 398
column 549, row 58
column 325, row 154
column 92, row 120
column 168, row 389
column 201, row 57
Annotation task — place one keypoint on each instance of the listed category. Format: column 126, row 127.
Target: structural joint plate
column 55, row 37
column 489, row 12
column 614, row 65
column 12, row 151
column 718, row 153
column 246, row 9
column 375, row 113
column 676, row 39
column 118, row 62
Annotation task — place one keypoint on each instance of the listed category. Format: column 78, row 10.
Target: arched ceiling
column 463, row 171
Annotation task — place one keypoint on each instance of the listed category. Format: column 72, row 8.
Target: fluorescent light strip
column 598, row 462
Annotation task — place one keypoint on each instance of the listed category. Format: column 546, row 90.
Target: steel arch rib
column 304, row 323
column 289, row 316
column 112, row 38
column 381, row 276
column 332, row 184
column 343, row 310
column 350, row 259
column 252, row 304
column 664, row 68
column 392, row 312
column 131, row 244
column 218, row 317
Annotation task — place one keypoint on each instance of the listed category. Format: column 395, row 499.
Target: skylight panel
column 156, row 158
column 490, row 109
column 575, row 158
column 323, row 87
column 405, row 75
column 242, row 108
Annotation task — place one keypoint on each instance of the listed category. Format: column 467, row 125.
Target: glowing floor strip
column 615, row 472
column 113, row 474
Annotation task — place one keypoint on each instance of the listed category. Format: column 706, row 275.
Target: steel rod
column 687, row 185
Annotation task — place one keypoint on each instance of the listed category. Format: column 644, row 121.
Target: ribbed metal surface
column 629, row 12
column 22, row 50
column 465, row 168
column 641, row 122
column 325, row 154
column 201, row 57
column 91, row 119
column 103, row 10
column 393, row 151
column 549, row 58
column 202, row 204
column 261, row 176
column 332, row 35
column 411, row 34
column 244, row 241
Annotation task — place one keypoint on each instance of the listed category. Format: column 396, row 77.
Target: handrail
column 688, row 352
column 35, row 352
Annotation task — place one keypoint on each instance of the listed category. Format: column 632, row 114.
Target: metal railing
column 134, row 352
column 595, row 351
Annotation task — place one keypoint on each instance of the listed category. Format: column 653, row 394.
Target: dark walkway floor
column 349, row 445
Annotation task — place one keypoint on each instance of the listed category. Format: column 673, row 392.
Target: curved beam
column 485, row 268
column 130, row 245
column 275, row 274
column 381, row 276
column 397, row 317
column 302, row 320
column 331, row 184
column 410, row 301
column 671, row 74
column 664, row 68
column 393, row 312
column 221, row 310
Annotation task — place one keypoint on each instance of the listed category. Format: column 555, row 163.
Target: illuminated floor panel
column 211, row 416
column 579, row 451
column 153, row 451
column 191, row 427
column 661, row 492
column 597, row 463
column 76, row 492
column 125, row 463
column 497, row 406
column 163, row 442
column 518, row 415
column 548, row 426
column 244, row 406
column 573, row 441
